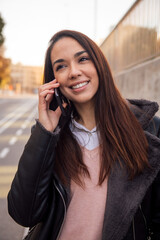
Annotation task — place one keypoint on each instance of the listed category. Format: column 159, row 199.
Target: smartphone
column 59, row 102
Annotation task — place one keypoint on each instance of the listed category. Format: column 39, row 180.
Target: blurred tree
column 4, row 72
column 4, row 62
column 2, row 24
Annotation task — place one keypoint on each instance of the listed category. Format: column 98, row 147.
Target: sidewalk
column 11, row 94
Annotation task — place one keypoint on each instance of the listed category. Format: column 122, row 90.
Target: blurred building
column 4, row 69
column 17, row 77
column 26, row 79
column 133, row 51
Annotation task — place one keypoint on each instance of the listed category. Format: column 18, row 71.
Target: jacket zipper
column 145, row 221
column 134, row 234
column 65, row 210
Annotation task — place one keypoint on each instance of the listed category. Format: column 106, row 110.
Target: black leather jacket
column 37, row 198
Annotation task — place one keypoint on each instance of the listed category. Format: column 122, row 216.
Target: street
column 17, row 115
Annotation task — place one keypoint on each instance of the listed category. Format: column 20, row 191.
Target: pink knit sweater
column 85, row 214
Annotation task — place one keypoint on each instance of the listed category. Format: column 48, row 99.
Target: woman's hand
column 48, row 118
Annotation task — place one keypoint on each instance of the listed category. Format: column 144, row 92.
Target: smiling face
column 74, row 70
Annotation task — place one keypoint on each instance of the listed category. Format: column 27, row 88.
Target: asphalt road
column 17, row 115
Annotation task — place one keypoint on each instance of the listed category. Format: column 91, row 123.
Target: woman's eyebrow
column 79, row 53
column 58, row 61
column 75, row 55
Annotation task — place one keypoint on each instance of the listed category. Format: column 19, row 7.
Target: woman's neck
column 87, row 116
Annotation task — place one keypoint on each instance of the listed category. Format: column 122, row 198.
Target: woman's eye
column 82, row 59
column 59, row 67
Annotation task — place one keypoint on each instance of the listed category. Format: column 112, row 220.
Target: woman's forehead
column 66, row 46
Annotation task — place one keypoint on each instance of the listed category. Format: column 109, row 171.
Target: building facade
column 26, row 79
column 133, row 51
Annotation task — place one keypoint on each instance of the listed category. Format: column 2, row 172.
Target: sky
column 31, row 23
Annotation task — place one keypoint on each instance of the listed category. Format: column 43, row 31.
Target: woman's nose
column 74, row 71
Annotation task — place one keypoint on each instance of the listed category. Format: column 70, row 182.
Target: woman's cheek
column 60, row 78
column 64, row 92
column 62, row 89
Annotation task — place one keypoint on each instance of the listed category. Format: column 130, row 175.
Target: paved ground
column 17, row 114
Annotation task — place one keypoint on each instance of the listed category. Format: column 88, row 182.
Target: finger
column 53, row 81
column 50, row 83
column 46, row 92
column 48, row 86
column 49, row 97
column 43, row 96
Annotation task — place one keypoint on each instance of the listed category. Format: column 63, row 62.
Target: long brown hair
column 121, row 136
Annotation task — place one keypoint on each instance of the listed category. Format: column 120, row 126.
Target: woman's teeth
column 79, row 85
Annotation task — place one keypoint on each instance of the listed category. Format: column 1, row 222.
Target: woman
column 92, row 172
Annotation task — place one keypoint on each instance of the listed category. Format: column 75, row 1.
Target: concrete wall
column 141, row 81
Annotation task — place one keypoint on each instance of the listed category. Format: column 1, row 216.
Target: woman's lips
column 79, row 85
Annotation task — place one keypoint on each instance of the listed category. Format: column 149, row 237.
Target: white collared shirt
column 86, row 138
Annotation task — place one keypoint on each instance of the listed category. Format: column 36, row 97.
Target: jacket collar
column 144, row 110
column 124, row 196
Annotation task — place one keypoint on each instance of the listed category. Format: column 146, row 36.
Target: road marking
column 28, row 120
column 9, row 123
column 13, row 140
column 24, row 125
column 6, row 139
column 7, row 174
column 18, row 115
column 4, row 152
column 4, row 190
column 12, row 114
column 8, row 169
column 6, row 179
column 19, row 132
